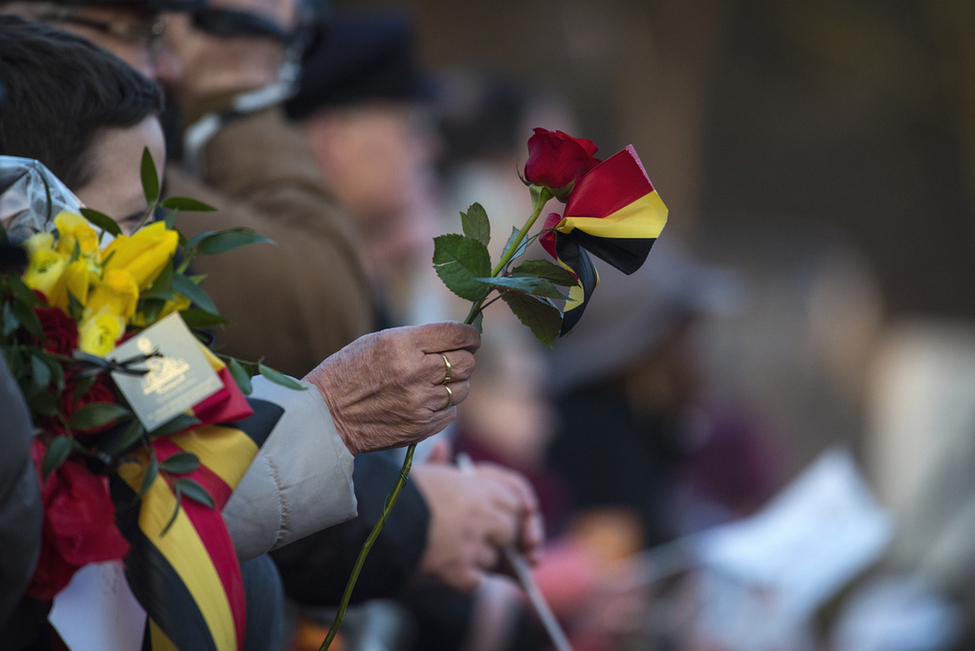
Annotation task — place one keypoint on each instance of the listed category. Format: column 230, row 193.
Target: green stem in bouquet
column 540, row 196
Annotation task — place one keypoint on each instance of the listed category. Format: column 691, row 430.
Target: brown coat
column 295, row 303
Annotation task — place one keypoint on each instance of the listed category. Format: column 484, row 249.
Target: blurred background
column 818, row 161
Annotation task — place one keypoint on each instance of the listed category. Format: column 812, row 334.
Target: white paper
column 98, row 612
column 815, row 536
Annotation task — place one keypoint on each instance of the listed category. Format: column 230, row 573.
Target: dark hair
column 61, row 89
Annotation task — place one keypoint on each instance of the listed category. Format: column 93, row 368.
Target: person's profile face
column 115, row 155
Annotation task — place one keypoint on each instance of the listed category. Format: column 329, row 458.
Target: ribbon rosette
column 613, row 212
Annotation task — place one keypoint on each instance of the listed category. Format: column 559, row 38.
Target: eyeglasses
column 230, row 22
column 143, row 33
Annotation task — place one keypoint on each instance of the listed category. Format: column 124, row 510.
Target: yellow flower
column 75, row 280
column 143, row 254
column 118, row 291
column 39, row 242
column 74, row 228
column 45, row 269
column 98, row 331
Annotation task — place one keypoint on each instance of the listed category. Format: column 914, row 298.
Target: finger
column 447, row 335
column 487, row 556
column 436, row 370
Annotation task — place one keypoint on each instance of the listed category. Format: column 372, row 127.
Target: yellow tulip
column 45, row 270
column 98, row 331
column 116, row 290
column 180, row 304
column 75, row 280
column 143, row 254
column 74, row 228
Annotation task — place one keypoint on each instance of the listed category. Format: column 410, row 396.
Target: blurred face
column 133, row 35
column 116, row 158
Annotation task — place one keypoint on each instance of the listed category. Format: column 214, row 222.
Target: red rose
column 547, row 237
column 79, row 525
column 557, row 160
column 60, row 330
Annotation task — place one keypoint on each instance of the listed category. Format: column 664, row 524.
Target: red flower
column 60, row 330
column 557, row 160
column 100, row 391
column 79, row 525
column 547, row 237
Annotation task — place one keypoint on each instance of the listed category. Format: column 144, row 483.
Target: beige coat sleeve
column 299, row 483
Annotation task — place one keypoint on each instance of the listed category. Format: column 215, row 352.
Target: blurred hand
column 384, row 389
column 473, row 517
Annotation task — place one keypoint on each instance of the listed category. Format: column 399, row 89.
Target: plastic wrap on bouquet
column 31, row 196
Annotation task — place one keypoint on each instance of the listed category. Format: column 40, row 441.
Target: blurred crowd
column 736, row 449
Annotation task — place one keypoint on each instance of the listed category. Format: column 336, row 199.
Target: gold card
column 177, row 380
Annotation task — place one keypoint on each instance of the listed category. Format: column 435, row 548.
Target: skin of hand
column 384, row 389
column 472, row 518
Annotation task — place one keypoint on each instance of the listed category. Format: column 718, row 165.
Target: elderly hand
column 386, row 389
column 472, row 518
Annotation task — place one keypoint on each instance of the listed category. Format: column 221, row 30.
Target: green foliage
column 458, row 260
column 182, row 203
column 152, row 470
column 177, row 424
column 525, row 284
column 134, row 433
column 57, row 453
column 98, row 414
column 240, row 375
column 520, row 250
column 102, row 221
column 539, row 314
column 547, row 270
column 193, row 490
column 476, row 224
column 211, row 243
column 196, row 318
column 150, row 178
column 180, row 463
column 185, row 286
column 279, row 378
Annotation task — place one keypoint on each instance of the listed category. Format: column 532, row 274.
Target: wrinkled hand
column 472, row 518
column 384, row 389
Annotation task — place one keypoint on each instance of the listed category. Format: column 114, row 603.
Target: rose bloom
column 143, row 254
column 79, row 525
column 98, row 332
column 60, row 331
column 557, row 160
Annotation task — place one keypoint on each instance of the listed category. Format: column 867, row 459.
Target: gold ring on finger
column 450, row 399
column 446, row 378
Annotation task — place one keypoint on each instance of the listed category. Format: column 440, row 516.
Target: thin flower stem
column 373, row 535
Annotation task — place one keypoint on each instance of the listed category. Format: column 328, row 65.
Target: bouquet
column 120, row 483
column 611, row 211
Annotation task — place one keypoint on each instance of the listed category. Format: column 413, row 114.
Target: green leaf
column 541, row 317
column 76, row 252
column 102, row 221
column 4, row 239
column 196, row 294
column 162, row 286
column 151, row 308
column 10, row 320
column 241, row 376
column 97, row 414
column 150, row 178
column 28, row 318
column 528, row 284
column 279, row 378
column 44, row 404
column 152, row 471
column 511, row 240
column 193, row 490
column 226, row 240
column 476, row 224
column 170, row 221
column 458, row 260
column 177, row 424
column 25, row 294
column 195, row 318
column 57, row 453
column 81, row 388
column 547, row 270
column 478, row 322
column 172, row 518
column 182, row 203
column 181, row 463
column 40, row 372
column 133, row 434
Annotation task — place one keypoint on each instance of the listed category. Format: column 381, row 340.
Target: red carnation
column 79, row 525
column 557, row 160
column 60, row 330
